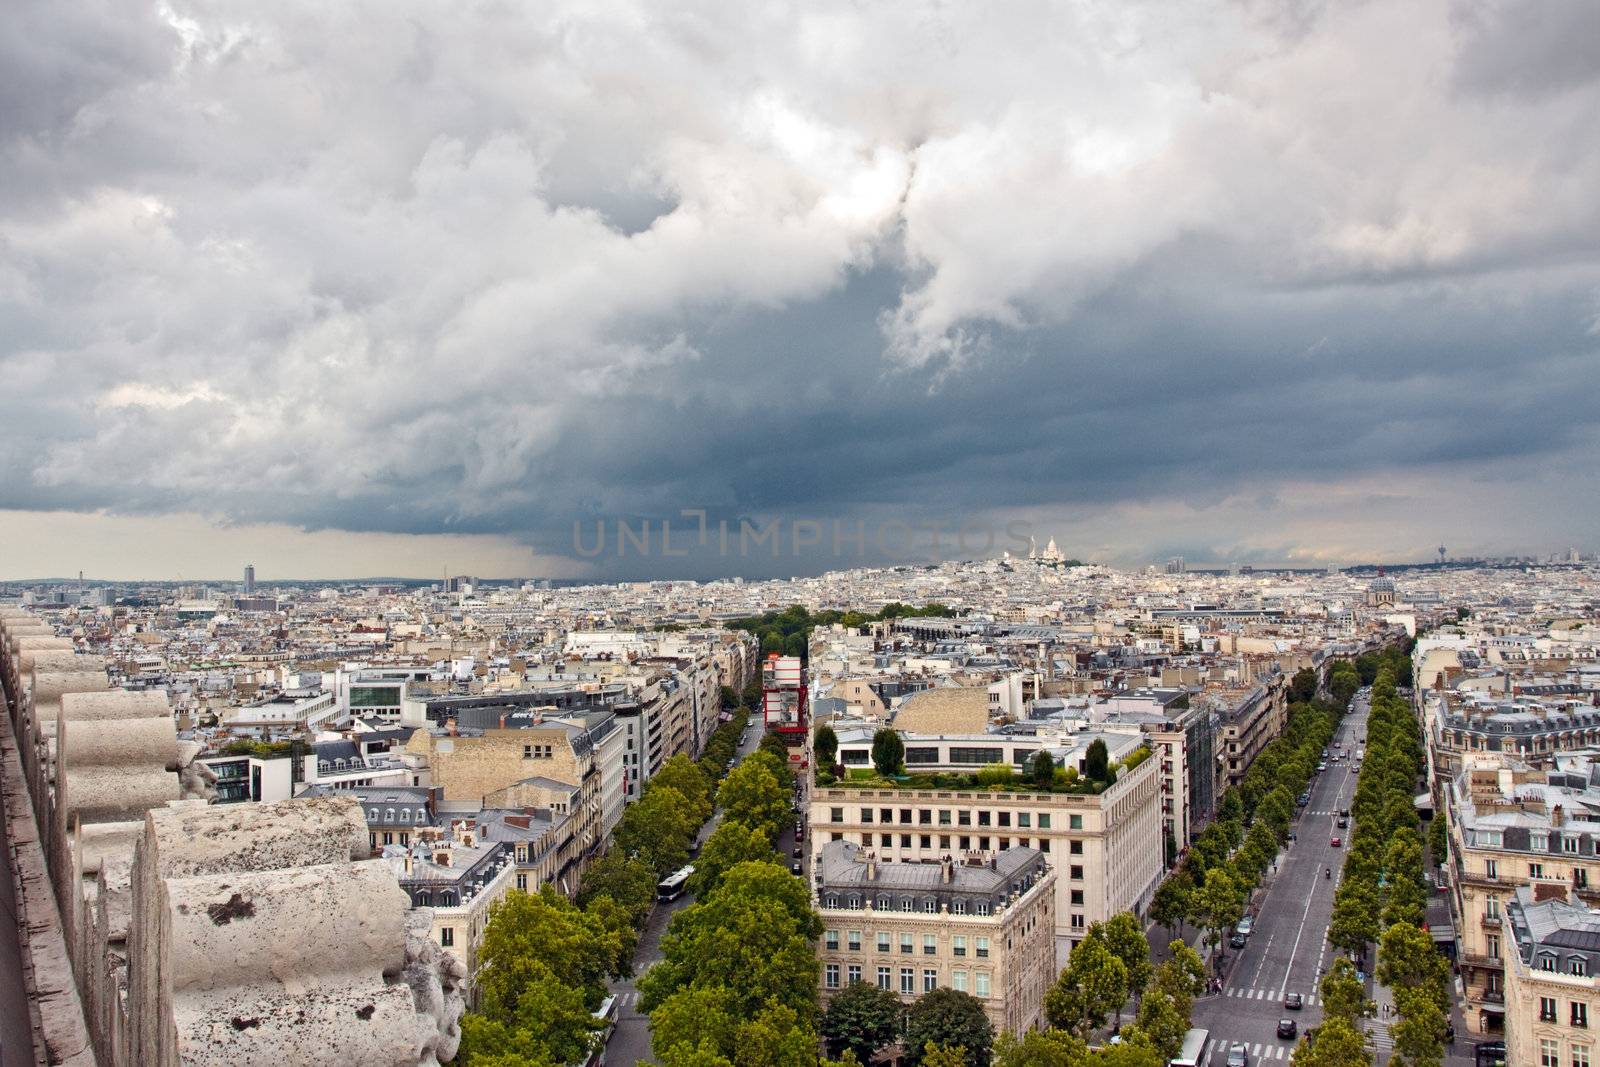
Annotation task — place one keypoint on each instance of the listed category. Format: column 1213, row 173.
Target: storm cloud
column 1151, row 277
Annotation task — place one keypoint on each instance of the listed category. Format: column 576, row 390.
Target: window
column 905, row 815
column 1044, row 820
column 1578, row 966
column 836, row 815
column 1570, row 843
column 1077, row 923
column 1491, row 869
column 1076, row 871
column 447, row 936
column 853, row 940
column 1547, row 961
column 1535, row 870
column 976, row 754
column 980, row 984
column 831, row 939
column 1580, row 1056
column 905, row 943
column 983, row 818
column 1538, row 841
column 958, row 981
column 930, row 945
column 944, row 817
column 905, row 840
column 958, row 907
column 1549, row 1053
column 1044, row 844
column 930, row 980
column 852, row 973
column 922, row 754
column 886, row 840
column 883, row 941
column 1493, row 941
column 886, row 815
column 981, row 907
column 1547, row 1009
column 924, row 840
column 866, row 815
column 908, row 980
column 983, row 842
column 1491, row 908
column 1580, row 1013
column 830, row 976
column 522, row 882
column 1024, row 819
column 944, row 840
column 958, row 945
column 1005, row 818
column 924, row 816
column 981, row 947
column 1075, row 848
column 1075, row 822
column 884, row 974
column 963, row 818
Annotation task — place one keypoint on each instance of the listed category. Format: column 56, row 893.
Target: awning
column 1424, row 802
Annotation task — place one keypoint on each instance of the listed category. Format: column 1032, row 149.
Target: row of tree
column 1227, row 861
column 1383, row 896
column 544, row 961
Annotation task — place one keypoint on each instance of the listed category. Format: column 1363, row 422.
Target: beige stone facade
column 912, row 935
column 1552, row 989
column 1106, row 849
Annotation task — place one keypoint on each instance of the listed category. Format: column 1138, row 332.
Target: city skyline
column 426, row 287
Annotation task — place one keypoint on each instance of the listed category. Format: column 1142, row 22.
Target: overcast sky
column 1240, row 281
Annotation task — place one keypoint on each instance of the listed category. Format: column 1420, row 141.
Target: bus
column 605, row 1022
column 1194, row 1049
column 672, row 886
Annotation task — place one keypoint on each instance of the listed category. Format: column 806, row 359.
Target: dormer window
column 1578, row 966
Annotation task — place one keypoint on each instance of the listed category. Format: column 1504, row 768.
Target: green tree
column 1343, row 995
column 1164, row 1019
column 946, row 1018
column 549, row 1023
column 629, row 882
column 861, row 1019
column 826, row 746
column 1438, row 840
column 1407, row 958
column 1303, row 687
column 1043, row 769
column 1217, row 904
column 774, row 747
column 1182, row 974
column 1338, row 1044
column 1354, row 922
column 1170, row 904
column 1419, row 1032
column 681, row 773
column 753, row 934
column 1096, row 762
column 1040, row 1048
column 729, row 845
column 532, row 935
column 943, row 1056
column 1125, row 938
column 888, row 752
column 1092, row 986
column 752, row 795
column 657, row 830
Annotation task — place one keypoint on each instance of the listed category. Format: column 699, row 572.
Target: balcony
column 1473, row 959
column 1489, row 922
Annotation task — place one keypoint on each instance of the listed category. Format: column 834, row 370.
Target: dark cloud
column 502, row 270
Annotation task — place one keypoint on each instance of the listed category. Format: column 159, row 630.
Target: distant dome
column 1381, row 584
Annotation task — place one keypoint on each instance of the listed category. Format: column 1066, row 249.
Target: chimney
column 450, row 726
column 1557, row 816
column 946, row 870
column 872, row 867
column 408, row 863
column 502, row 720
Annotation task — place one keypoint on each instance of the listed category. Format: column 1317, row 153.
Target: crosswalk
column 1382, row 1039
column 1218, row 1048
column 1267, row 994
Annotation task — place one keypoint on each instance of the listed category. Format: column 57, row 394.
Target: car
column 1302, row 800
column 1344, row 813
column 1287, row 1029
column 798, row 852
column 794, row 868
column 1336, row 842
column 1246, row 925
column 1239, row 940
column 799, row 831
column 1238, row 1055
column 1344, row 824
column 1294, row 1001
column 1321, row 767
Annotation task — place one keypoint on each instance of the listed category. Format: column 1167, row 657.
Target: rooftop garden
column 1041, row 775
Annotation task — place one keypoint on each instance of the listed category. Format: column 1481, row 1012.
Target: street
column 630, row 1040
column 1288, row 950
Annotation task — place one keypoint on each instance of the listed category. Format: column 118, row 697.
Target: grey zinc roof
column 844, row 866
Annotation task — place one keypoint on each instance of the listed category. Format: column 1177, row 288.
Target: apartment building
column 571, row 765
column 1512, row 827
column 1552, row 979
column 982, row 927
column 1248, row 720
column 1106, row 848
column 458, row 876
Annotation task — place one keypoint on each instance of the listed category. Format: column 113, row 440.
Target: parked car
column 1336, row 842
column 798, row 852
column 1287, row 1029
column 1294, row 1001
column 1238, row 940
column 799, row 831
column 794, row 868
column 1344, row 813
column 1246, row 925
